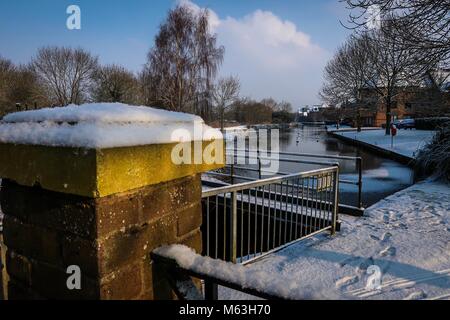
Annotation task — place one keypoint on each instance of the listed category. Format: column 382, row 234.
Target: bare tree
column 210, row 59
column 348, row 73
column 183, row 62
column 6, row 70
column 113, row 83
column 25, row 89
column 395, row 66
column 225, row 92
column 19, row 86
column 65, row 73
column 285, row 107
column 422, row 24
column 270, row 103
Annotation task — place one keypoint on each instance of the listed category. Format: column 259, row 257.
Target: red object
column 393, row 130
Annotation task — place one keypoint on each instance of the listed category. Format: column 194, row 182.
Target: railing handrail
column 306, row 155
column 263, row 182
column 358, row 163
column 320, row 163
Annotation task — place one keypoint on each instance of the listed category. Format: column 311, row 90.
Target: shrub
column 431, row 123
column 434, row 158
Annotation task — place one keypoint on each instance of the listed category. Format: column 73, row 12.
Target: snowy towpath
column 406, row 235
column 407, row 142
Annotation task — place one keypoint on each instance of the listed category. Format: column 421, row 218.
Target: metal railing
column 246, row 221
column 239, row 153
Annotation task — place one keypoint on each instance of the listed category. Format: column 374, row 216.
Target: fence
column 249, row 155
column 246, row 221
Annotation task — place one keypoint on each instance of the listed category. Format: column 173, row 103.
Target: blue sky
column 277, row 47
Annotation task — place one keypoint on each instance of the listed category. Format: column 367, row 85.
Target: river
column 381, row 177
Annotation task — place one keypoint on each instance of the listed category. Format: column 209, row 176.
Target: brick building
column 409, row 103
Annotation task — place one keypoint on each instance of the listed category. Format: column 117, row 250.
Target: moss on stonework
column 94, row 173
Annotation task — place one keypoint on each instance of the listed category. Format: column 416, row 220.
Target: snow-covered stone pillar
column 88, row 192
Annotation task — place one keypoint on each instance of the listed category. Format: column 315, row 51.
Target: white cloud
column 271, row 56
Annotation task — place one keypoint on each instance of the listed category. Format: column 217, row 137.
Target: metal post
column 211, row 290
column 232, row 173
column 259, row 166
column 335, row 201
column 233, row 228
column 360, row 181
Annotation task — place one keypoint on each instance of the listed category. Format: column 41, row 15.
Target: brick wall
column 109, row 238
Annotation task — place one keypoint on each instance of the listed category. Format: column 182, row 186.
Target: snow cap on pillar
column 95, row 150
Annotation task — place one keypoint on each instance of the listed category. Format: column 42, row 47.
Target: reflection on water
column 381, row 177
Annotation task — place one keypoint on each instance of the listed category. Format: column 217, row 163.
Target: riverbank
column 405, row 235
column 405, row 147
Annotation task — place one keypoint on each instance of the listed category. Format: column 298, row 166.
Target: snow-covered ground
column 407, row 142
column 407, row 236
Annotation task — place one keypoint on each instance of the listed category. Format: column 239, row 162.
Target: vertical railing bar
column 335, row 200
column 262, row 218
column 307, row 215
column 317, row 203
column 242, row 224
column 330, row 198
column 225, row 227
column 217, row 227
column 268, row 217
column 296, row 211
column 256, row 220
column 249, row 221
column 280, row 213
column 360, row 181
column 275, row 203
column 292, row 211
column 233, row 228
column 302, row 206
column 322, row 202
column 232, row 172
column 286, row 201
column 207, row 228
column 326, row 204
column 311, row 205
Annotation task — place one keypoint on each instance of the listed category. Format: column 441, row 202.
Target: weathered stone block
column 32, row 241
column 17, row 291
column 189, row 219
column 81, row 252
column 123, row 284
column 48, row 209
column 51, row 282
column 95, row 173
column 134, row 243
column 19, row 267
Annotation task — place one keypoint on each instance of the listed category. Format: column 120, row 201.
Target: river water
column 381, row 177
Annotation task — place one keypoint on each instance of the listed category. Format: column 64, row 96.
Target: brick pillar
column 102, row 210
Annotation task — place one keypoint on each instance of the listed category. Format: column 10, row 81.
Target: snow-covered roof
column 102, row 125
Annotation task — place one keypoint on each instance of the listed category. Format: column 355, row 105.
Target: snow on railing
column 238, row 277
